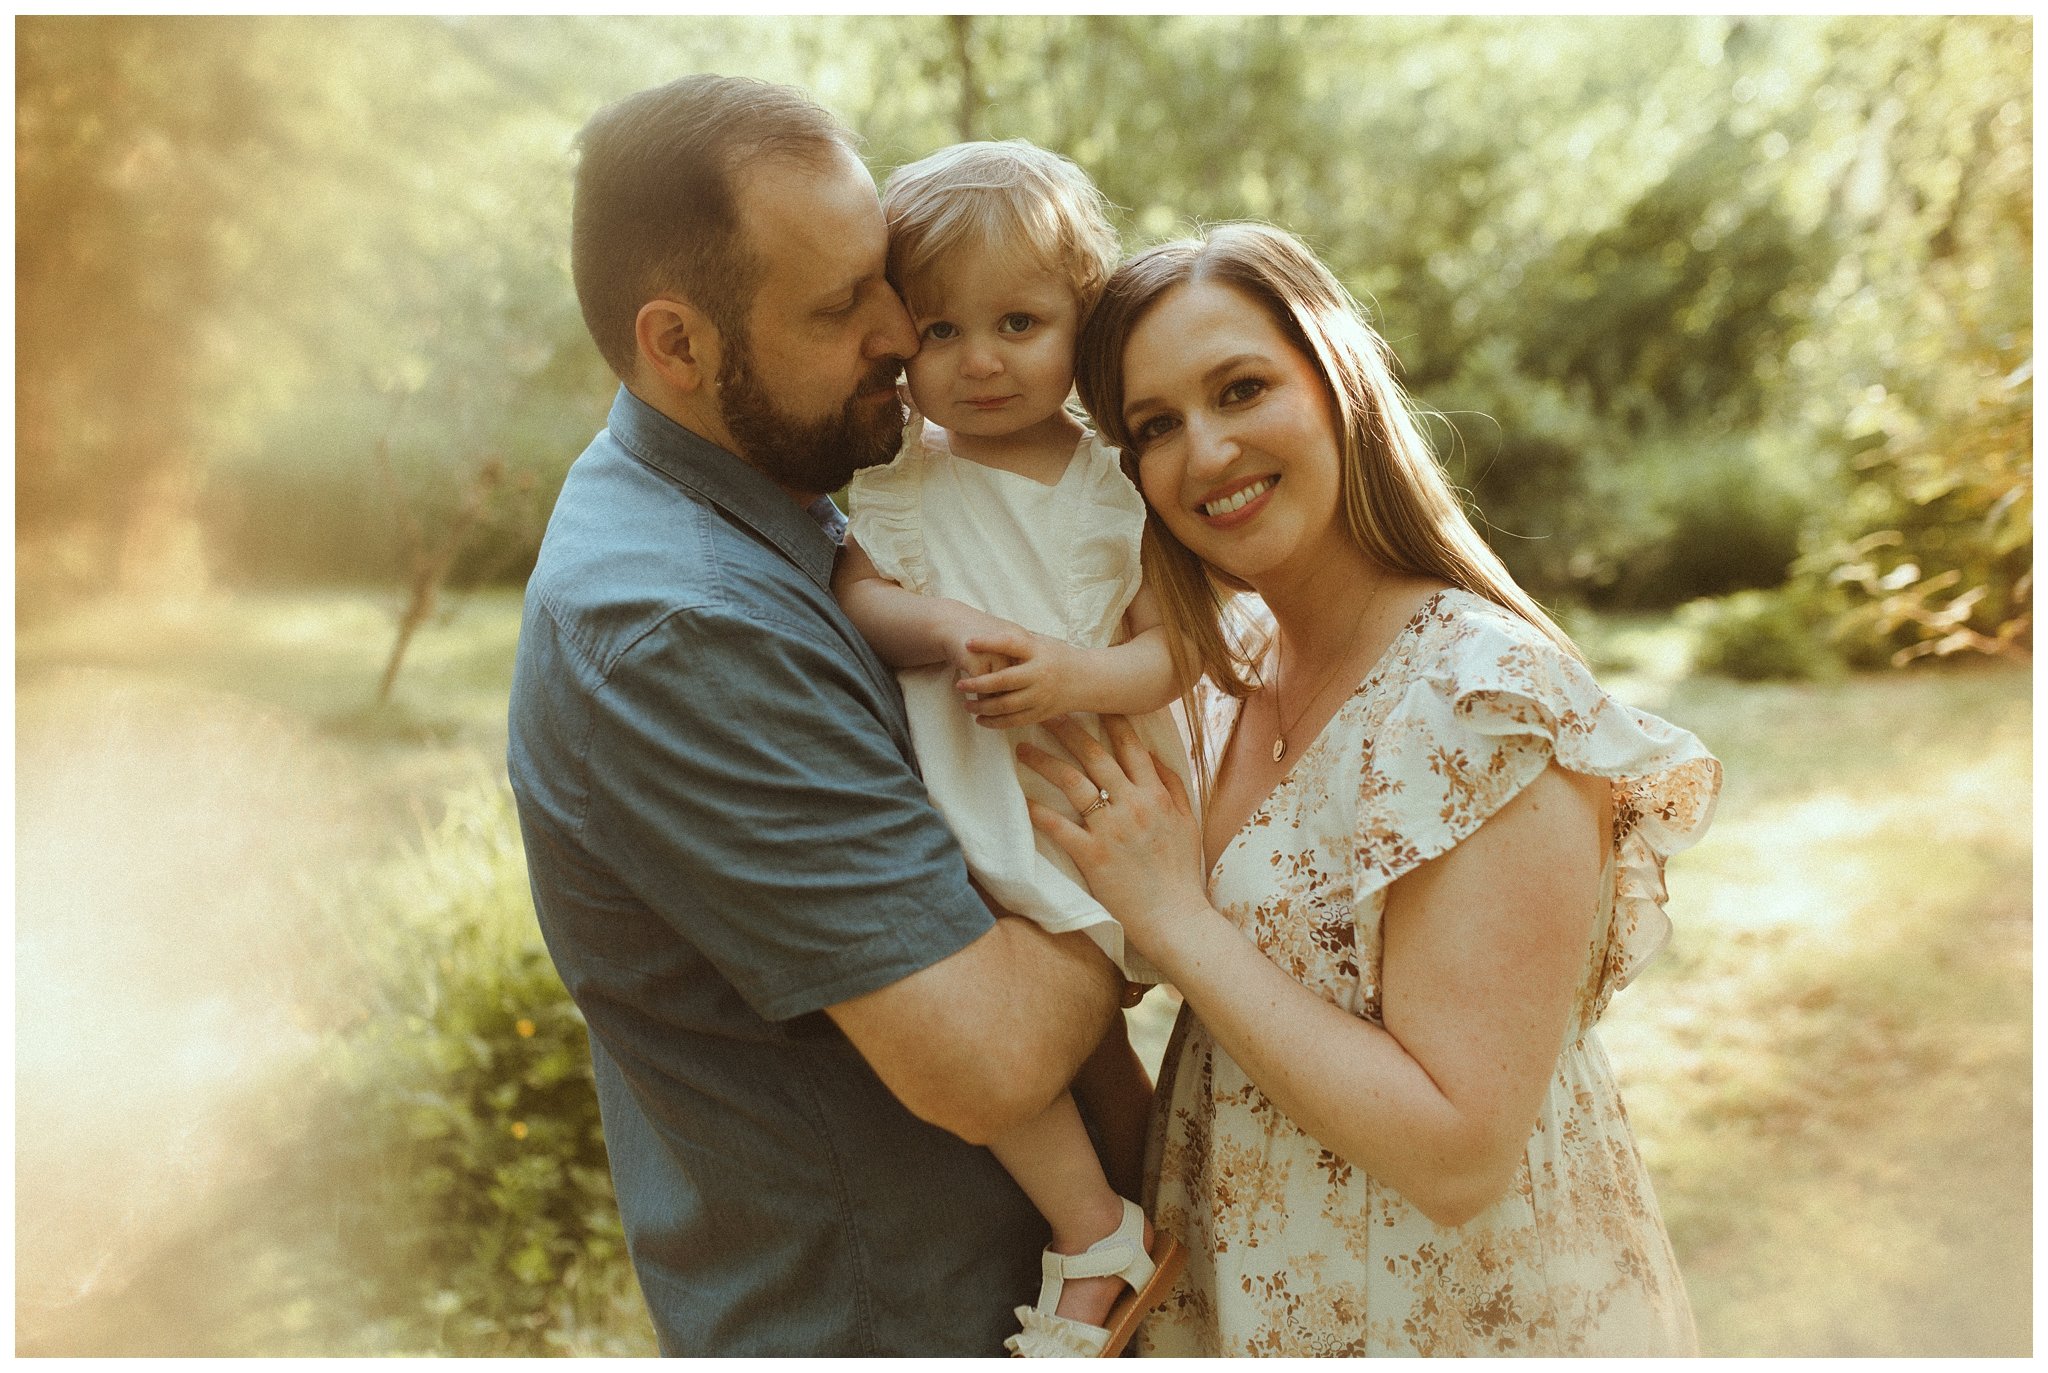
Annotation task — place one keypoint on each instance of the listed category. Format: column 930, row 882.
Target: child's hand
column 977, row 665
column 1035, row 679
column 967, row 657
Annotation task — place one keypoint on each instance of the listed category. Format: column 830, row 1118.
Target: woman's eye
column 1017, row 324
column 1243, row 389
column 1152, row 429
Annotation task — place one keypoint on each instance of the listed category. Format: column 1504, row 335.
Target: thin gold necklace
column 1280, row 739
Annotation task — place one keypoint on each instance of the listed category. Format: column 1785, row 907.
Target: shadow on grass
column 1849, row 1150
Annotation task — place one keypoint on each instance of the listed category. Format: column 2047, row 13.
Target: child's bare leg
column 1054, row 1162
column 1114, row 1093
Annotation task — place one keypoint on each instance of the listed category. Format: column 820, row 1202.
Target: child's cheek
column 922, row 381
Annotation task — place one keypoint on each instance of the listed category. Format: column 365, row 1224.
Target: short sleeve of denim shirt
column 746, row 789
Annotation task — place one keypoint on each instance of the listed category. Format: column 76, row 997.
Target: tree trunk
column 430, row 566
column 970, row 93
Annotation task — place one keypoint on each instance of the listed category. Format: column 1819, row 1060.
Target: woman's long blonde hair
column 1398, row 507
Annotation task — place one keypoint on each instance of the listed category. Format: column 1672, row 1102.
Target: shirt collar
column 807, row 537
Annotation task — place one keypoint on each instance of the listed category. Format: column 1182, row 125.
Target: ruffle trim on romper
column 888, row 511
column 1105, row 574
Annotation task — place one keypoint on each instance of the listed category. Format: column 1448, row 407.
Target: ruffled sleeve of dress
column 1484, row 703
column 887, row 516
column 1102, row 570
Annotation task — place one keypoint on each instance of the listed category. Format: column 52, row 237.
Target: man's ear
column 679, row 343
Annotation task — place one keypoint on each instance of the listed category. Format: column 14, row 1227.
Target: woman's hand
column 1030, row 678
column 1140, row 851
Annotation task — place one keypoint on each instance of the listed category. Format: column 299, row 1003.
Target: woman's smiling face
column 1236, row 435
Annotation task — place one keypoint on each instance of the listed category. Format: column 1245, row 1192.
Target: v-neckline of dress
column 1365, row 683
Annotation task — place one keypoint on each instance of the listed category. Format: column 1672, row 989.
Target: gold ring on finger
column 1101, row 800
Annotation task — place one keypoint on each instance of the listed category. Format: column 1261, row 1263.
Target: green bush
column 458, row 1163
column 1730, row 530
column 1579, row 509
column 1682, row 515
column 1755, row 636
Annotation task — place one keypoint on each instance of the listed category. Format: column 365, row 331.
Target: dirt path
column 1830, row 1072
column 190, row 793
column 169, row 840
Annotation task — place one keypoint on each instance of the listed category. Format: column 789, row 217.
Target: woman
column 1431, row 851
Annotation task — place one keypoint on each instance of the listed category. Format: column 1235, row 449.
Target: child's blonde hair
column 1012, row 196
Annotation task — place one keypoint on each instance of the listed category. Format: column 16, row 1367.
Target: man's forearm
column 985, row 1039
column 1057, row 999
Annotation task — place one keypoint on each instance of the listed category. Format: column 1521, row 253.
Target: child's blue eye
column 1017, row 323
column 940, row 330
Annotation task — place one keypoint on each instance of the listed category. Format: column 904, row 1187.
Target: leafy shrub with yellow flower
column 458, row 1155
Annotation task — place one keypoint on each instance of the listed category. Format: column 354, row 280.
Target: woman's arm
column 1483, row 951
column 1047, row 677
column 907, row 629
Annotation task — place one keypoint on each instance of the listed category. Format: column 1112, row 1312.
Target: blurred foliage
column 1756, row 636
column 120, row 177
column 454, row 1164
column 1706, row 302
column 1931, row 542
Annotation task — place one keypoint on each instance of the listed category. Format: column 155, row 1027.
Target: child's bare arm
column 1050, row 677
column 908, row 629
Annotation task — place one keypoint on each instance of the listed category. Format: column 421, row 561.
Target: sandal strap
column 1120, row 1254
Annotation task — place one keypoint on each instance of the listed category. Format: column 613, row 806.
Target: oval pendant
column 1279, row 749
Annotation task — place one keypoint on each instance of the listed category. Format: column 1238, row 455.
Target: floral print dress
column 1293, row 1251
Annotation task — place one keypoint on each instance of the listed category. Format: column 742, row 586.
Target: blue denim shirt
column 726, row 833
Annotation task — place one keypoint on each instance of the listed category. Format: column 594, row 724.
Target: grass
column 313, row 659
column 1829, row 1071
column 193, row 787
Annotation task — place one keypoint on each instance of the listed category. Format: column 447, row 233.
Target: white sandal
column 1122, row 1254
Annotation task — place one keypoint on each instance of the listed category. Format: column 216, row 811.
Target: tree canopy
column 1704, row 302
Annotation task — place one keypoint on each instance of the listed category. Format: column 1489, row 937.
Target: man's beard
column 816, row 455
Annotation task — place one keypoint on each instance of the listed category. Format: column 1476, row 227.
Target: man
column 803, row 1019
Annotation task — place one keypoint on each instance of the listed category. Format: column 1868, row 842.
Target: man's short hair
column 656, row 211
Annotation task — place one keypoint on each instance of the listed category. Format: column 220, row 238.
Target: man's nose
column 893, row 334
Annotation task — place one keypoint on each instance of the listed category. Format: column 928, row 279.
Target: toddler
column 994, row 564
